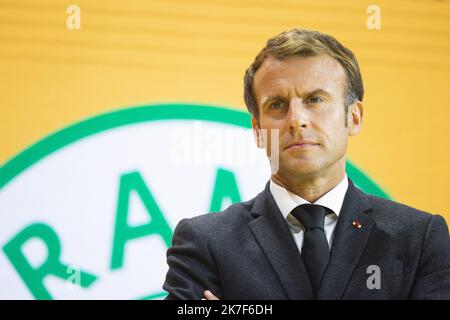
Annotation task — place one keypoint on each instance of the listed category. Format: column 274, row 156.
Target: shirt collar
column 287, row 201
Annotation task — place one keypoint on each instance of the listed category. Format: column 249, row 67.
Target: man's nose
column 298, row 117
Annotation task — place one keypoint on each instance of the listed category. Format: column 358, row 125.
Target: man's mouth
column 304, row 144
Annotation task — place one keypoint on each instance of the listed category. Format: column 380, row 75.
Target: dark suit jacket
column 248, row 252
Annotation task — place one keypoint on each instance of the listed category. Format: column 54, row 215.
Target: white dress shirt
column 287, row 201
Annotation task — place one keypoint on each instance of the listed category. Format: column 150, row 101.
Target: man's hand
column 208, row 295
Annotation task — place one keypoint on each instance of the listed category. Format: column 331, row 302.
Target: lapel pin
column 357, row 224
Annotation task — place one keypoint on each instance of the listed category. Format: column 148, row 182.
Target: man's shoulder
column 235, row 212
column 401, row 223
column 392, row 212
column 232, row 218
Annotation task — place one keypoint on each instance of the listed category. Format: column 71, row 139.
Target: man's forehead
column 305, row 73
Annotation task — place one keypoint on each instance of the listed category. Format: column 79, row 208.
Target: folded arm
column 433, row 276
column 191, row 266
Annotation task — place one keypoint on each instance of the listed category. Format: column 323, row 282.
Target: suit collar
column 348, row 244
column 272, row 233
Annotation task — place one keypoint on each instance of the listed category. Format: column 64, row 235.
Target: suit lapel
column 348, row 243
column 273, row 235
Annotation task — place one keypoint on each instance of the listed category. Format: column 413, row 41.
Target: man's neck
column 310, row 188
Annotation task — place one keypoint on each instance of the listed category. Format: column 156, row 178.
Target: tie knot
column 310, row 215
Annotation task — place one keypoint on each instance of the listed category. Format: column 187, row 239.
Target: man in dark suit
column 311, row 234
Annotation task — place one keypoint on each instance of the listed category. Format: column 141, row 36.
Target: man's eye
column 276, row 105
column 315, row 99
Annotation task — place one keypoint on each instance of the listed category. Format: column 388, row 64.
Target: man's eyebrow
column 324, row 92
column 316, row 91
column 306, row 95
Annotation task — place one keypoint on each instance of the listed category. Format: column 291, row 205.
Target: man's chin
column 300, row 170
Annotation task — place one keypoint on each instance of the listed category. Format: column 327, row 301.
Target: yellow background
column 137, row 52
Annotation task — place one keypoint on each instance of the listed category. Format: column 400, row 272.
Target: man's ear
column 257, row 133
column 355, row 115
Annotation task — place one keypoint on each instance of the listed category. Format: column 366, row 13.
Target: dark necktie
column 315, row 251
